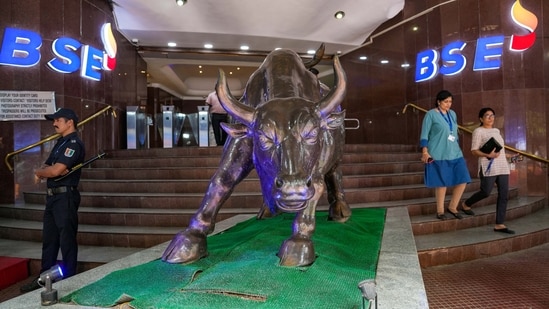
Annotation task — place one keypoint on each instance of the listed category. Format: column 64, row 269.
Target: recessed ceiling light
column 415, row 28
column 339, row 14
column 244, row 47
column 172, row 44
column 384, row 61
column 363, row 58
column 405, row 65
column 208, row 46
column 311, row 51
column 200, row 66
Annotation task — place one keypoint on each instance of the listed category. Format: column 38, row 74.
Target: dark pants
column 60, row 228
column 219, row 134
column 486, row 186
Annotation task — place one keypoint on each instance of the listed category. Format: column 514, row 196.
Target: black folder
column 490, row 145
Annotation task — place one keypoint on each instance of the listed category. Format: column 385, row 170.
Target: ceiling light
column 208, row 46
column 311, row 51
column 339, row 14
column 384, row 61
column 405, row 65
column 363, row 58
column 172, row 44
column 244, row 47
column 180, row 2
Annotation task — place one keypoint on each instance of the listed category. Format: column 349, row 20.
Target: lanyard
column 489, row 166
column 448, row 120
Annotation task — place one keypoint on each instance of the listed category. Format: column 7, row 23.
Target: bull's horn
column 336, row 95
column 239, row 111
column 316, row 58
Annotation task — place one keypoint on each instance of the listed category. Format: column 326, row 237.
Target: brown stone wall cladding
column 126, row 85
column 517, row 90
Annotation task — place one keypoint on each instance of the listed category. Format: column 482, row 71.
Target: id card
column 451, row 138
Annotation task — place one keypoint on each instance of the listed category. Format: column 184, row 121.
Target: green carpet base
column 242, row 271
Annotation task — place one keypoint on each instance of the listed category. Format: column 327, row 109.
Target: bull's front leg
column 339, row 210
column 236, row 163
column 299, row 250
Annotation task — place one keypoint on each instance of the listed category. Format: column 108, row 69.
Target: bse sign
column 487, row 54
column 22, row 48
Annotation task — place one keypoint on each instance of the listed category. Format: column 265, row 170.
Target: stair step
column 479, row 242
column 427, row 210
column 484, row 215
column 12, row 270
column 201, row 172
column 151, row 217
column 250, row 184
column 237, row 199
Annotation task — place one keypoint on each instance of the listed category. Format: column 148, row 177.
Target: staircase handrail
column 54, row 136
column 524, row 153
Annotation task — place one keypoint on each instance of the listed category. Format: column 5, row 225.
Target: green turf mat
column 242, row 270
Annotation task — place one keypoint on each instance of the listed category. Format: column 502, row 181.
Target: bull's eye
column 265, row 142
column 311, row 137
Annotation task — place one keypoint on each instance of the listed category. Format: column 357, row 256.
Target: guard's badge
column 69, row 152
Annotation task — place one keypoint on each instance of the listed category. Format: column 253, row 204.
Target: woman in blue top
column 444, row 162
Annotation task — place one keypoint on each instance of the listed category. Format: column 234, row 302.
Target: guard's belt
column 58, row 190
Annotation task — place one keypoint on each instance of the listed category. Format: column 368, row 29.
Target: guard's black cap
column 63, row 113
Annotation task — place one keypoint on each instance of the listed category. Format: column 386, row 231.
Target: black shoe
column 441, row 217
column 31, row 286
column 469, row 212
column 455, row 214
column 505, row 230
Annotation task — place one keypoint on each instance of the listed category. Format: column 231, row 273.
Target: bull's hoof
column 186, row 247
column 339, row 212
column 264, row 212
column 297, row 251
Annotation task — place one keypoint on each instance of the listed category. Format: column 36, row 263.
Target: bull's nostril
column 279, row 183
column 309, row 182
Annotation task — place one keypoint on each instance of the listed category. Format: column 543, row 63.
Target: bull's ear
column 335, row 120
column 235, row 130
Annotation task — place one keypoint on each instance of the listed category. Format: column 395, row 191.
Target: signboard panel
column 26, row 105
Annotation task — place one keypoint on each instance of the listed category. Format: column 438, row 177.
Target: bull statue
column 294, row 138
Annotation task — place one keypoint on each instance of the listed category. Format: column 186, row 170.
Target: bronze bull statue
column 294, row 138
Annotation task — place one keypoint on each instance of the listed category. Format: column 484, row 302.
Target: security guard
column 63, row 199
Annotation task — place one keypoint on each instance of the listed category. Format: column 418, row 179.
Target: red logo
column 526, row 20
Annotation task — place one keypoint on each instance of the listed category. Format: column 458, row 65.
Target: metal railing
column 526, row 154
column 52, row 137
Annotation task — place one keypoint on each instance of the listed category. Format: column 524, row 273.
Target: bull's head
column 288, row 137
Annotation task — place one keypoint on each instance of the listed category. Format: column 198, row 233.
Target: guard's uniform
column 62, row 201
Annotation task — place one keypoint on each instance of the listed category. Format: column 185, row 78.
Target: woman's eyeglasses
column 488, row 116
